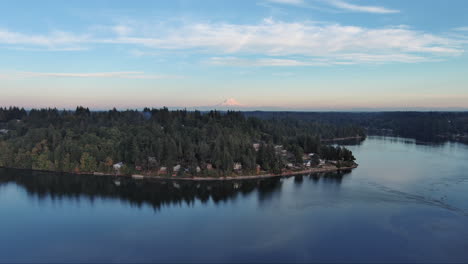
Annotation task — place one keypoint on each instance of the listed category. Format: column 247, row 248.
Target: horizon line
column 255, row 109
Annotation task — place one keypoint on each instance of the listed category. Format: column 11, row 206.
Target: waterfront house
column 176, row 168
column 237, row 166
column 162, row 170
column 118, row 166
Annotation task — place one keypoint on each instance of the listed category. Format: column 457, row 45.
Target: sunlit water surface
column 405, row 202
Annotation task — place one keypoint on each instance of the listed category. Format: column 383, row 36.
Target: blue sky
column 278, row 54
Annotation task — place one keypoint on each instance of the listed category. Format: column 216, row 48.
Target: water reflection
column 155, row 193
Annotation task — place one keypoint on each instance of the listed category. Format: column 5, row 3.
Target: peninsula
column 164, row 143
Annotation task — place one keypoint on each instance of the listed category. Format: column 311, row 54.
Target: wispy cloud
column 56, row 40
column 361, row 8
column 120, row 75
column 461, row 29
column 343, row 59
column 276, row 43
column 309, row 39
column 236, row 61
column 288, row 2
column 337, row 4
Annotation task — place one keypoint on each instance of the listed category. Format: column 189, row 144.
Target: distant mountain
column 230, row 102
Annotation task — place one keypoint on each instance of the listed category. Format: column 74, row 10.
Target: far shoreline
column 221, row 178
column 344, row 138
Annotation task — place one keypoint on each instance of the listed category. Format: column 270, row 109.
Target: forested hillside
column 162, row 141
column 427, row 126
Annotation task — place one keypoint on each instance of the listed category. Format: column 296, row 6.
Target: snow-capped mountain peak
column 230, row 102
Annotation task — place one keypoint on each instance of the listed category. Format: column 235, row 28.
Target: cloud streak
column 337, row 4
column 271, row 62
column 318, row 40
column 56, row 40
column 119, row 75
column 277, row 43
column 287, row 2
column 360, row 8
column 344, row 59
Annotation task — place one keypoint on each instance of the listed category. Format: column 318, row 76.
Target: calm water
column 405, row 202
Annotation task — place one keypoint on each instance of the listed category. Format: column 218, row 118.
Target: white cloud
column 122, row 30
column 338, row 4
column 276, row 43
column 54, row 40
column 235, row 61
column 288, row 2
column 355, row 58
column 360, row 8
column 82, row 75
column 461, row 29
column 273, row 38
column 121, row 75
column 343, row 59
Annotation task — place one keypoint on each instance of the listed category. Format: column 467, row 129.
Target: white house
column 176, row 168
column 162, row 170
column 237, row 166
column 118, row 166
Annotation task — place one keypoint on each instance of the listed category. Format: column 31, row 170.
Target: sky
column 264, row 54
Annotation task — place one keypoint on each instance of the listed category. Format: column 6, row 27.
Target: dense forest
column 426, row 126
column 160, row 141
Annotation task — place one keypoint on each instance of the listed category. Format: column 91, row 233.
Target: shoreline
column 250, row 177
column 222, row 178
column 343, row 138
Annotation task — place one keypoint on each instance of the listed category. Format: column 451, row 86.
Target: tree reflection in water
column 154, row 192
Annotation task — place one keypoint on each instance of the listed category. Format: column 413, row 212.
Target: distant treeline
column 209, row 143
column 418, row 125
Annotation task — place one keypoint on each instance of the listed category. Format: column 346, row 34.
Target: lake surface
column 406, row 202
